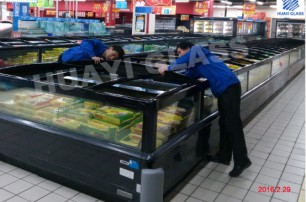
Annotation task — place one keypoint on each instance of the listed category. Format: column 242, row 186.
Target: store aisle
column 276, row 144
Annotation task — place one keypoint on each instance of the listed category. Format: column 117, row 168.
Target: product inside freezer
column 99, row 120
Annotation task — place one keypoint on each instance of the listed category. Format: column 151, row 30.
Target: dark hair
column 119, row 50
column 184, row 45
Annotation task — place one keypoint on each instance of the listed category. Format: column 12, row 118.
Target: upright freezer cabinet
column 288, row 28
column 95, row 131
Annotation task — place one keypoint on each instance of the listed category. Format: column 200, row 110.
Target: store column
column 210, row 8
column 110, row 14
column 3, row 12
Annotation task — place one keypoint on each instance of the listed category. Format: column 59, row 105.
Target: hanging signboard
column 290, row 8
column 164, row 10
column 256, row 16
column 159, row 7
column 152, row 2
column 43, row 4
column 248, row 9
column 201, row 7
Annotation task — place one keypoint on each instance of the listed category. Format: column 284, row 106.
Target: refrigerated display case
column 288, row 28
column 95, row 129
column 251, row 30
column 214, row 26
column 229, row 27
column 47, row 49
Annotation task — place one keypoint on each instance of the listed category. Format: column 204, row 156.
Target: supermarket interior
column 120, row 130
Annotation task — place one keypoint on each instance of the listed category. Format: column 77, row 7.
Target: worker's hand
column 96, row 59
column 162, row 68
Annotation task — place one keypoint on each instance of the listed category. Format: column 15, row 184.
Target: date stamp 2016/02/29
column 274, row 189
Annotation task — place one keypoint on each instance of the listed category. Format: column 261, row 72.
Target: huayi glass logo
column 290, row 8
column 290, row 5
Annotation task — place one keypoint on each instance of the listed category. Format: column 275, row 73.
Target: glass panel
column 218, row 28
column 198, row 26
column 294, row 57
column 244, row 82
column 51, row 54
column 228, row 28
column 280, row 64
column 258, row 75
column 161, row 46
column 210, row 103
column 208, row 27
column 98, row 120
column 173, row 119
column 202, row 42
column 300, row 54
column 132, row 48
column 9, row 58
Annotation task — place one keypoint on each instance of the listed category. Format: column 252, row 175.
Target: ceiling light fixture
column 252, row 0
column 259, row 3
column 237, row 6
column 219, row 6
column 226, row 2
column 273, row 6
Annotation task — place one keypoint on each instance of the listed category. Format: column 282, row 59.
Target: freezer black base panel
column 84, row 167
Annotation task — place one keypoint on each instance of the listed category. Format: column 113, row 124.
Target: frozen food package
column 80, row 114
column 114, row 115
column 66, row 123
column 64, row 101
column 36, row 102
column 99, row 131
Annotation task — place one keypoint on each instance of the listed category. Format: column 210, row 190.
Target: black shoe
column 216, row 159
column 237, row 170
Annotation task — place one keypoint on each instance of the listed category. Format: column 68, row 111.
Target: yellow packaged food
column 26, row 112
column 64, row 101
column 92, row 105
column 167, row 121
column 24, row 95
column 80, row 114
column 134, row 137
column 175, row 117
column 127, row 141
column 36, row 102
column 114, row 115
column 174, row 110
column 42, row 119
column 66, row 123
column 49, row 112
column 120, row 130
column 101, row 131
column 163, row 131
column 231, row 66
column 8, row 105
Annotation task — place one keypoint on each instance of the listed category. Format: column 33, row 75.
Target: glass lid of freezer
column 148, row 87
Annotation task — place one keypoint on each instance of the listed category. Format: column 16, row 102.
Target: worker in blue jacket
column 224, row 84
column 91, row 49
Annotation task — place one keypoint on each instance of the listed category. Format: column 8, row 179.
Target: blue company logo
column 290, row 5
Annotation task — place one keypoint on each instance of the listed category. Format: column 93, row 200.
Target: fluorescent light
column 237, row 6
column 273, row 6
column 252, row 0
column 226, row 2
column 259, row 3
column 181, row 1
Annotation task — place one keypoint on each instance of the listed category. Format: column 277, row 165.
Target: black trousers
column 231, row 131
column 59, row 59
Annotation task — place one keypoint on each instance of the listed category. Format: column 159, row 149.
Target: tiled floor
column 276, row 144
